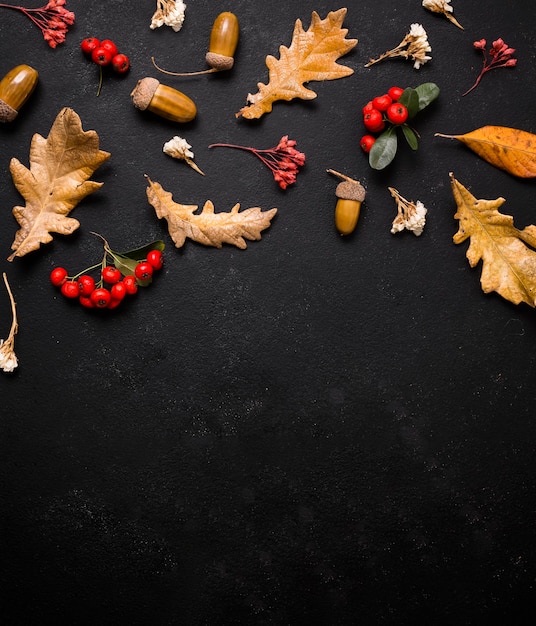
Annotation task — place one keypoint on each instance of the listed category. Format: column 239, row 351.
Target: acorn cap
column 348, row 190
column 143, row 93
column 219, row 62
column 7, row 113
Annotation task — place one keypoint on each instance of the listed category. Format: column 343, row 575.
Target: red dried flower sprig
column 500, row 55
column 53, row 19
column 284, row 160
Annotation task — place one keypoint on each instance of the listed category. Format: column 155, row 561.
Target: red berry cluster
column 379, row 112
column 110, row 290
column 105, row 52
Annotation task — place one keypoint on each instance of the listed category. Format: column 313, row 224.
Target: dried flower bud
column 443, row 7
column 179, row 148
column 411, row 215
column 168, row 13
column 8, row 358
column 413, row 47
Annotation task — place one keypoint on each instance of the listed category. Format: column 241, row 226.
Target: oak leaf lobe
column 207, row 227
column 508, row 255
column 56, row 181
column 312, row 56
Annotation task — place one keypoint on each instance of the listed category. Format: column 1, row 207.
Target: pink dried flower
column 284, row 160
column 500, row 55
column 53, row 19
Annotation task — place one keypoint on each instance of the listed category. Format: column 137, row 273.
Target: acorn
column 222, row 46
column 15, row 89
column 165, row 101
column 350, row 196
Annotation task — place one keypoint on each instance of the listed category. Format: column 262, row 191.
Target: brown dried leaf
column 509, row 149
column 311, row 56
column 207, row 227
column 56, row 182
column 508, row 255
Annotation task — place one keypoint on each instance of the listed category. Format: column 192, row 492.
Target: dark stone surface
column 311, row 430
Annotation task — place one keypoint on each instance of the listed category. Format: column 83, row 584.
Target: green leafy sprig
column 414, row 99
column 126, row 262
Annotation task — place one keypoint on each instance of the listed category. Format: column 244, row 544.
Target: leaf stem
column 14, row 324
column 207, row 71
column 343, row 176
column 100, row 81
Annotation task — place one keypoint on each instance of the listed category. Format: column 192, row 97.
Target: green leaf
column 384, row 149
column 427, row 93
column 140, row 254
column 410, row 99
column 126, row 261
column 411, row 136
column 125, row 265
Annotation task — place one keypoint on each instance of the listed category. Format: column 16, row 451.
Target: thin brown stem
column 14, row 323
column 160, row 69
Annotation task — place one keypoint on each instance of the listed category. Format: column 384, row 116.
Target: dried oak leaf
column 207, row 227
column 311, row 56
column 509, row 149
column 508, row 255
column 56, row 182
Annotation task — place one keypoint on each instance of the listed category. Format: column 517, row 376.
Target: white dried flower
column 413, row 47
column 8, row 358
column 169, row 13
column 443, row 7
column 179, row 148
column 410, row 216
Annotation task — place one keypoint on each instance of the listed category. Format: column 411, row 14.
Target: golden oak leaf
column 508, row 255
column 56, row 181
column 207, row 227
column 311, row 56
column 509, row 149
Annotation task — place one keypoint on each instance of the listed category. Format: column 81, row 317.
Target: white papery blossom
column 411, row 215
column 179, row 148
column 169, row 13
column 413, row 47
column 443, row 7
column 8, row 358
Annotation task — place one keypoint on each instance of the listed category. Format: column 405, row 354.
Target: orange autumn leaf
column 56, row 181
column 312, row 56
column 207, row 227
column 508, row 255
column 509, row 149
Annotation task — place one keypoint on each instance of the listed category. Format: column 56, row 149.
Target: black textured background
column 311, row 430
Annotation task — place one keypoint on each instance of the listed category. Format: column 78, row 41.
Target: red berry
column 373, row 121
column 86, row 284
column 155, row 258
column 110, row 274
column 101, row 297
column 101, row 56
column 86, row 302
column 121, row 63
column 118, row 291
column 382, row 102
column 70, row 289
column 58, row 276
column 368, row 107
column 394, row 93
column 366, row 143
column 143, row 270
column 109, row 45
column 397, row 113
column 130, row 284
column 113, row 304
column 89, row 44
